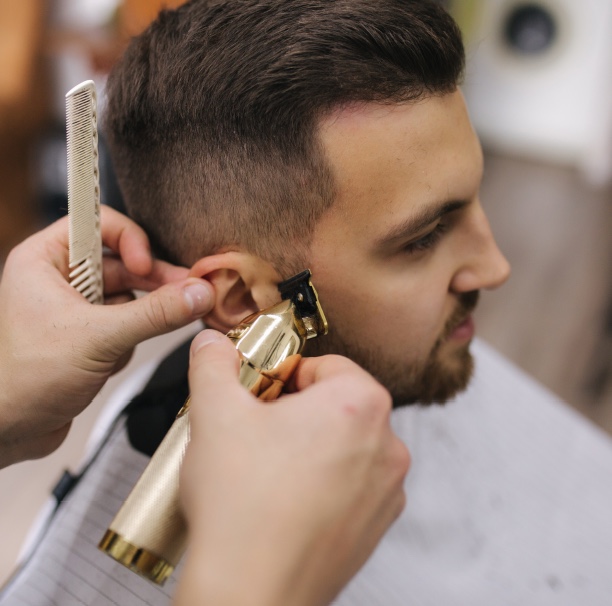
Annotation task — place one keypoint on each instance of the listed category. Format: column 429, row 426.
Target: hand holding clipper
column 148, row 535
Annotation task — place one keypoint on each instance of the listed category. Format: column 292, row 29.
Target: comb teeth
column 85, row 241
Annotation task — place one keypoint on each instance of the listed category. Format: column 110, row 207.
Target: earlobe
column 243, row 285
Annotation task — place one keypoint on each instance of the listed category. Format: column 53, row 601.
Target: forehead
column 389, row 161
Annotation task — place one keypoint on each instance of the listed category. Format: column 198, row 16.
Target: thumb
column 165, row 309
column 213, row 367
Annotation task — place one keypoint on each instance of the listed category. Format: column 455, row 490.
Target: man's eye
column 428, row 241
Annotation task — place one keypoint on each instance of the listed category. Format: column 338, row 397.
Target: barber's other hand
column 285, row 501
column 56, row 349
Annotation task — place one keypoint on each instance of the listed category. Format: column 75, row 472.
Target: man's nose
column 483, row 264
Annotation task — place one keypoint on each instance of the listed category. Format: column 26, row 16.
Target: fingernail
column 199, row 297
column 205, row 338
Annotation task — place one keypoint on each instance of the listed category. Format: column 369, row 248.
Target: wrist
column 221, row 578
column 248, row 573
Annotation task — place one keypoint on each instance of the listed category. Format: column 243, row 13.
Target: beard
column 435, row 379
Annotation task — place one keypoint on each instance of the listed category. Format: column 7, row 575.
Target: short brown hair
column 212, row 112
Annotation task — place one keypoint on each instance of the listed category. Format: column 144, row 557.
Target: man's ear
column 243, row 283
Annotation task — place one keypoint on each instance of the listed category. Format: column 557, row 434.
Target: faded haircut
column 212, row 113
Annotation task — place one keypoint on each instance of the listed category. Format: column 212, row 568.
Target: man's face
column 400, row 257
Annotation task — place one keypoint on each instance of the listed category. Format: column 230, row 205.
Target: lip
column 464, row 331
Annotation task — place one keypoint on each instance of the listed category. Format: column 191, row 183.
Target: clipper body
column 148, row 534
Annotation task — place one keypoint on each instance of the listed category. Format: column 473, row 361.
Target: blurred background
column 539, row 89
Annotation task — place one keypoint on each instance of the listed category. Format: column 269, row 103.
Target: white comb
column 85, row 238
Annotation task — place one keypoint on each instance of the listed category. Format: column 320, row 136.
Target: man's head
column 254, row 138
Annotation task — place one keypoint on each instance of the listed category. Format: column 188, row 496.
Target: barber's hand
column 285, row 501
column 56, row 349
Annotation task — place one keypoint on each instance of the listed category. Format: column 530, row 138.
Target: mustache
column 465, row 306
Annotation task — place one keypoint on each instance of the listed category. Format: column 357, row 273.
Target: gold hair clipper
column 149, row 534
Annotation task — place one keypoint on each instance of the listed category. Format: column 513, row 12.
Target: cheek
column 405, row 316
column 411, row 321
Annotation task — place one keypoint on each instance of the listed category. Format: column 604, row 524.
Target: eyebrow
column 418, row 222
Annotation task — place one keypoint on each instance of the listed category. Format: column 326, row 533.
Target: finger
column 314, row 370
column 163, row 310
column 119, row 233
column 57, row 231
column 213, row 370
column 118, row 278
column 49, row 245
column 119, row 298
column 212, row 354
column 163, row 272
column 129, row 240
column 398, row 465
column 337, row 380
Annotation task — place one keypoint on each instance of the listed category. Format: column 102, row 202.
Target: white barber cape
column 509, row 503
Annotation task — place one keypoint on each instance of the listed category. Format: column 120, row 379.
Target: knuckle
column 14, row 257
column 333, row 367
column 378, row 397
column 369, row 403
column 402, row 458
column 338, row 360
column 157, row 314
column 343, row 366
